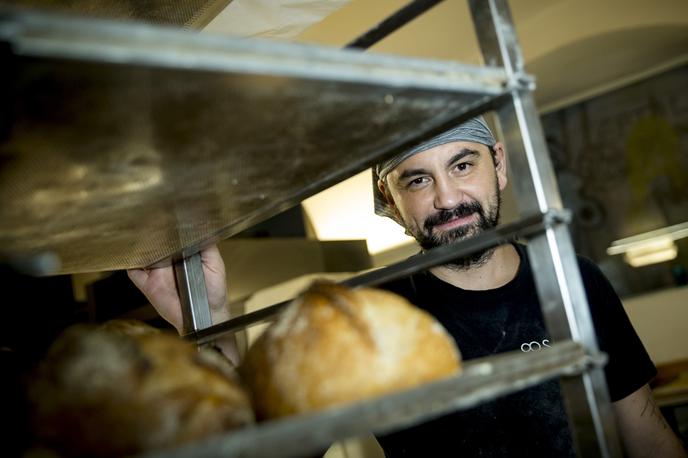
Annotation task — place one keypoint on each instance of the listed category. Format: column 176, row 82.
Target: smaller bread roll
column 126, row 388
column 334, row 345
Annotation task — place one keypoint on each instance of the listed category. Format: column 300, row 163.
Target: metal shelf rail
column 482, row 379
column 520, row 229
column 136, row 78
column 148, row 134
column 557, row 278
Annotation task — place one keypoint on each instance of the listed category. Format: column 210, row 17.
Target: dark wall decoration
column 622, row 164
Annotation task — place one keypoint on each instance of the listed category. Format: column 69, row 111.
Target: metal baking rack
column 481, row 380
column 128, row 145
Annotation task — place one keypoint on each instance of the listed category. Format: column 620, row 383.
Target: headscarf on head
column 474, row 130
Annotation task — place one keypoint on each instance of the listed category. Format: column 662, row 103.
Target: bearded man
column 449, row 188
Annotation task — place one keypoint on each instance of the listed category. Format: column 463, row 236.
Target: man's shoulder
column 591, row 274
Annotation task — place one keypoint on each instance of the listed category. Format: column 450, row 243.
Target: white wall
column 661, row 320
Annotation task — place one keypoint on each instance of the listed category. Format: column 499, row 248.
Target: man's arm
column 160, row 287
column 643, row 429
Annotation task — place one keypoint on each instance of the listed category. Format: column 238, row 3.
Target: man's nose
column 447, row 194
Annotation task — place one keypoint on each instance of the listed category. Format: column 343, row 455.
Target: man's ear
column 382, row 187
column 500, row 165
column 383, row 190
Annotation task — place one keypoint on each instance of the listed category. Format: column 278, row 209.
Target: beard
column 486, row 219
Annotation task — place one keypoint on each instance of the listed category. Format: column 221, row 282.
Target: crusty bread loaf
column 335, row 345
column 126, row 388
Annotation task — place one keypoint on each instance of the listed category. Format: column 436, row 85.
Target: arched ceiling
column 591, row 65
column 575, row 48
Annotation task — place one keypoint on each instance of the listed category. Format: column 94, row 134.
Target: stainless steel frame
column 147, row 87
column 552, row 255
column 192, row 14
column 392, row 23
column 482, row 379
column 121, row 108
column 192, row 293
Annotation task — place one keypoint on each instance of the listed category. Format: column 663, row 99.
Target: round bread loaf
column 126, row 388
column 334, row 345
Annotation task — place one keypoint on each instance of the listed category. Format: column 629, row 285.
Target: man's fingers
column 211, row 258
column 137, row 276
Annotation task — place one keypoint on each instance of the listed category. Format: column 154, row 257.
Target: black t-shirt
column 531, row 422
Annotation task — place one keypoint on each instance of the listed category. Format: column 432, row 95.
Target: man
column 449, row 188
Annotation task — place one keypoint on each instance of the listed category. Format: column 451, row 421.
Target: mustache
column 444, row 216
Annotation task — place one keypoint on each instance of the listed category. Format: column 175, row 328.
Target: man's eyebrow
column 412, row 173
column 461, row 154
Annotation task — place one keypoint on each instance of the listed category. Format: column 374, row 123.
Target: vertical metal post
column 552, row 255
column 193, row 295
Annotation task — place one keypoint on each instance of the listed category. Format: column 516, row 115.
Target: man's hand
column 160, row 287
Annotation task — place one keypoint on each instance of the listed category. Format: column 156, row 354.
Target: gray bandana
column 474, row 130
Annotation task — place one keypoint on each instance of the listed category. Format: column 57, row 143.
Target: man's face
column 449, row 192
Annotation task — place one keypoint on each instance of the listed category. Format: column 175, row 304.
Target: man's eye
column 416, row 182
column 463, row 166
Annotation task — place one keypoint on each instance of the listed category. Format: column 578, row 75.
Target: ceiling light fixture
column 650, row 247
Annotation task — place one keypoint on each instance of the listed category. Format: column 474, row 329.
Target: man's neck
column 499, row 270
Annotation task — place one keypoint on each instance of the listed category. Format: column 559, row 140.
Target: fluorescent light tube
column 650, row 247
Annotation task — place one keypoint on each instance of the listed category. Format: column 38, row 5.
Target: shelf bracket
column 193, row 295
column 558, row 280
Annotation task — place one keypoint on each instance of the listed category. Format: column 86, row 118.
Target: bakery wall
column 256, row 264
column 660, row 319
